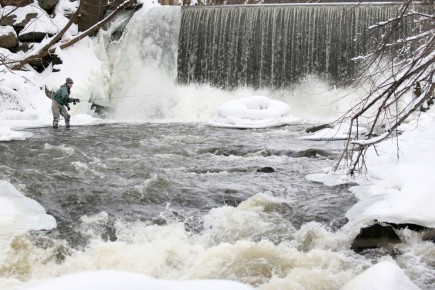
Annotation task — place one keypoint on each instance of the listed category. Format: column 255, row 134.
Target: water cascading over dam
column 276, row 46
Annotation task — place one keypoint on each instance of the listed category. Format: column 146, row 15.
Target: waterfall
column 275, row 46
column 171, row 62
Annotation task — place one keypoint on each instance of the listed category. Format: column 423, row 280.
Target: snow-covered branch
column 393, row 77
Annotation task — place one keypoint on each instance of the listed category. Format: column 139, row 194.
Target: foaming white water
column 61, row 148
column 236, row 244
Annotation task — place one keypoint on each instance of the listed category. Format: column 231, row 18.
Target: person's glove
column 68, row 107
column 75, row 101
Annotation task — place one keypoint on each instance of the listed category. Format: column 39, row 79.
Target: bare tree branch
column 392, row 77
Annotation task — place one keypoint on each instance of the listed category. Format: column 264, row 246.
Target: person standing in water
column 60, row 103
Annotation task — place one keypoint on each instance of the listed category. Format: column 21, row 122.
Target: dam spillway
column 275, row 46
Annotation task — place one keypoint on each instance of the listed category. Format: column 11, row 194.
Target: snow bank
column 115, row 280
column 7, row 134
column 400, row 185
column 339, row 132
column 385, row 275
column 400, row 190
column 19, row 214
column 252, row 112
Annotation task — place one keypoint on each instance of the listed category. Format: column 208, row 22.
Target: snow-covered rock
column 252, row 112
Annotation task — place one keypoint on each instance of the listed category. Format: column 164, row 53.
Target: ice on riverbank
column 19, row 214
column 399, row 186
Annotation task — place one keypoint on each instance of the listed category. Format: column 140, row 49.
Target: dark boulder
column 8, row 38
column 375, row 236
column 41, row 64
column 318, row 128
column 16, row 3
column 266, row 169
column 312, row 153
column 24, row 47
column 32, row 36
column 47, row 4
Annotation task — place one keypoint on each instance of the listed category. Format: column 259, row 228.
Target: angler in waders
column 60, row 103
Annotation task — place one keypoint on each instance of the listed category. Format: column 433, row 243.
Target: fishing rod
column 120, row 97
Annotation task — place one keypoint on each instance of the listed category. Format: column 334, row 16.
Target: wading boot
column 55, row 124
column 67, row 125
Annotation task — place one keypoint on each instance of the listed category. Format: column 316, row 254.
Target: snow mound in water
column 252, row 112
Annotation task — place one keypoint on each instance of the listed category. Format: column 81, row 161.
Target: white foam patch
column 251, row 219
column 19, row 214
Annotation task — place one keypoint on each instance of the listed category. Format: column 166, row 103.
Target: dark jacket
column 62, row 95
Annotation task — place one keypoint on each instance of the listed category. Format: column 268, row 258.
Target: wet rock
column 312, row 153
column 318, row 128
column 102, row 111
column 412, row 227
column 428, row 235
column 108, row 233
column 266, row 169
column 375, row 236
